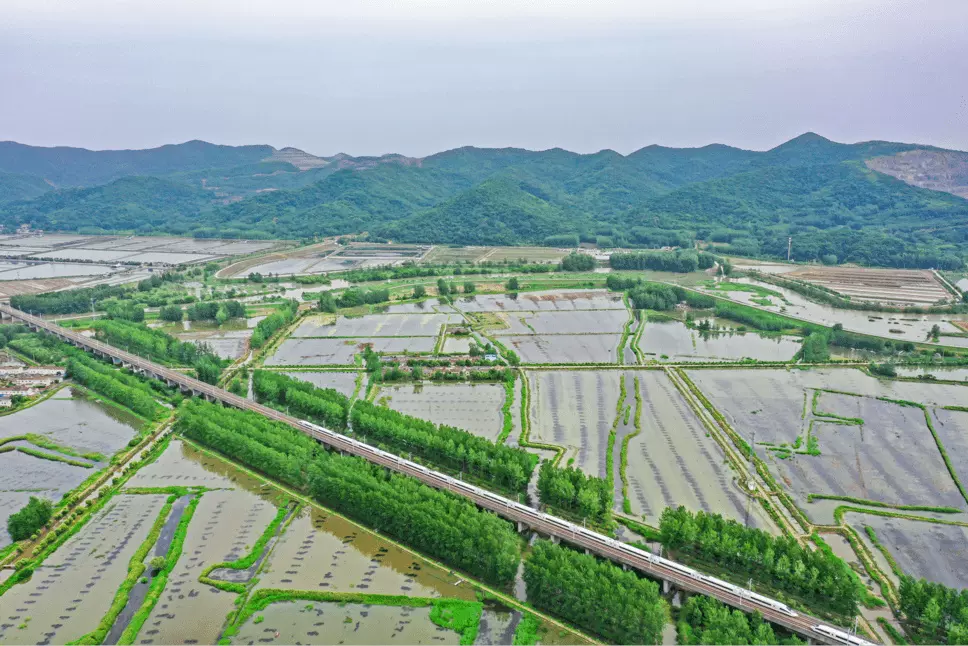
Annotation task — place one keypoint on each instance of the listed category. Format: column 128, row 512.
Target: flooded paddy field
column 895, row 286
column 73, row 589
column 551, row 300
column 48, row 270
column 578, row 322
column 84, row 255
column 923, row 550
column 910, row 327
column 302, row 622
column 182, row 465
column 565, row 348
column 378, row 325
column 225, row 526
column 673, row 461
column 227, row 344
column 575, row 410
column 938, row 372
column 952, row 429
column 474, row 407
column 891, row 457
column 678, row 342
column 317, row 352
column 343, row 382
column 325, row 552
column 71, row 419
column 457, row 344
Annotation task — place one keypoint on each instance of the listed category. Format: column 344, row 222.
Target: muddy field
column 343, row 382
column 553, row 300
column 922, row 550
column 322, row 551
column 565, row 348
column 378, row 325
column 473, row 407
column 580, row 322
column 673, row 341
column 225, row 525
column 674, row 462
column 304, row 622
column 896, row 286
column 575, row 410
column 73, row 589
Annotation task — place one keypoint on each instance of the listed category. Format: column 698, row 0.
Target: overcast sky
column 420, row 76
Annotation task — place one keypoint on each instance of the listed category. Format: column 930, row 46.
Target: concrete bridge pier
column 555, row 540
column 521, row 527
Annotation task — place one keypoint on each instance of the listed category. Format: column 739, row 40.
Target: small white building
column 5, row 402
column 23, row 391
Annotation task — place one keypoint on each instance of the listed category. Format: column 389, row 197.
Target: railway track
column 682, row 577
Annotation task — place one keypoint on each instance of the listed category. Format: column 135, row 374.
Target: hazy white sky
column 420, row 76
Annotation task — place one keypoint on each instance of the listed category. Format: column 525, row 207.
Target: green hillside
column 15, row 187
column 817, row 191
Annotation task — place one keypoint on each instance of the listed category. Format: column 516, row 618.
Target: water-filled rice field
column 316, row 352
column 182, row 465
column 54, row 270
column 578, row 322
column 225, row 525
column 73, row 589
column 344, row 382
column 565, row 348
column 680, row 343
column 378, row 325
column 892, row 457
column 324, row 552
column 552, row 300
column 302, row 622
column 673, row 461
column 923, row 550
column 473, row 407
column 952, row 428
column 575, row 410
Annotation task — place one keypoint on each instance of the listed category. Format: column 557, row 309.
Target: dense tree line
column 816, row 348
column 508, row 467
column 596, row 595
column 219, row 312
column 577, row 262
column 934, row 612
column 817, row 576
column 72, row 301
column 161, row 347
column 574, row 492
column 34, row 515
column 268, row 326
column 656, row 296
column 125, row 389
column 675, row 261
column 704, row 620
column 354, row 297
column 440, row 524
column 324, row 406
column 39, row 347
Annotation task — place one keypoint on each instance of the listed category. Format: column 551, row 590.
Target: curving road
column 594, row 542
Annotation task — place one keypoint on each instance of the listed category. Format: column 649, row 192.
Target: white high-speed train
column 577, row 530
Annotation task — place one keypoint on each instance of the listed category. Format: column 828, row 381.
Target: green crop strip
column 626, row 329
column 507, row 422
column 526, row 425
column 160, row 580
column 249, row 559
column 872, row 535
column 843, row 509
column 875, row 503
column 892, row 632
column 639, row 355
column 453, row 614
column 136, row 568
column 623, row 464
column 53, row 458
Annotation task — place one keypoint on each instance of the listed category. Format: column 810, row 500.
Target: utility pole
column 789, row 247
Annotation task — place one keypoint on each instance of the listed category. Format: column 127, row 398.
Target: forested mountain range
column 832, row 198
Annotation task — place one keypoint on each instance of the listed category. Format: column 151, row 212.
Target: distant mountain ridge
column 873, row 202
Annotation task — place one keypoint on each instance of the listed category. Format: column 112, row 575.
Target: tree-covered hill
column 817, row 191
column 15, row 187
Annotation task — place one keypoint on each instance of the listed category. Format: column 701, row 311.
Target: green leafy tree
column 33, row 516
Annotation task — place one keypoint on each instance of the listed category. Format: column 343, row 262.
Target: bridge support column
column 666, row 587
column 521, row 526
column 555, row 540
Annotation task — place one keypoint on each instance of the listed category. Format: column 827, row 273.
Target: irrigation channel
column 673, row 573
